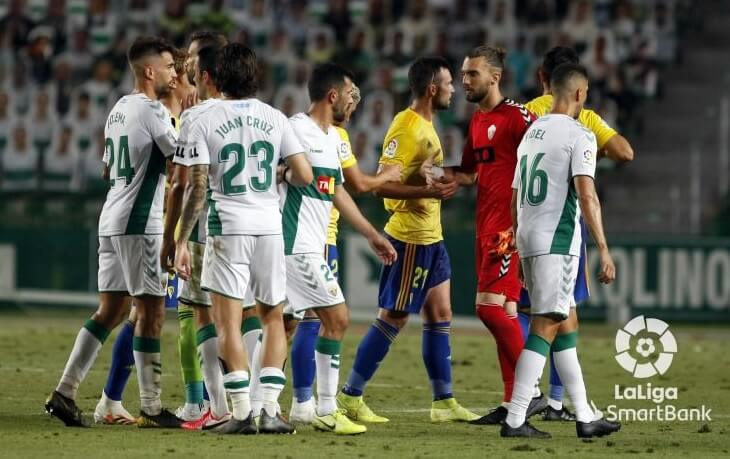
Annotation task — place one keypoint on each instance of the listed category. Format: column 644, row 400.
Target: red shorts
column 497, row 273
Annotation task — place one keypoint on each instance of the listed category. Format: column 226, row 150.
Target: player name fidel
column 237, row 122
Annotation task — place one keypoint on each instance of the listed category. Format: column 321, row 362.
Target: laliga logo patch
column 588, row 157
column 490, row 131
column 645, row 347
column 326, row 184
column 344, row 151
column 390, row 149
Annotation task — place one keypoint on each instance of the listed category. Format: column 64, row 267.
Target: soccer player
column 109, row 409
column 490, row 156
column 419, row 282
column 306, row 213
column 556, row 166
column 139, row 138
column 611, row 145
column 251, row 326
column 192, row 295
column 236, row 144
column 303, row 364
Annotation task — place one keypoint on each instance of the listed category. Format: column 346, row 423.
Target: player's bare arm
column 590, row 207
column 175, row 193
column 348, row 209
column 439, row 189
column 618, row 149
column 358, row 182
column 298, row 171
column 190, row 212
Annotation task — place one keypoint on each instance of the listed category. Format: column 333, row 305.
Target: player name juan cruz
column 237, row 123
column 645, row 392
column 116, row 117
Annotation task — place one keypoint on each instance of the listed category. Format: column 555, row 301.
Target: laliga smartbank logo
column 645, row 347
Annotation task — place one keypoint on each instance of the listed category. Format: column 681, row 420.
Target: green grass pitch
column 35, row 344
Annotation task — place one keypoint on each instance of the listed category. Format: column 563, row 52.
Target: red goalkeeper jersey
column 490, row 150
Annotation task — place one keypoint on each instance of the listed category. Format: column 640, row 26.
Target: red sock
column 507, row 334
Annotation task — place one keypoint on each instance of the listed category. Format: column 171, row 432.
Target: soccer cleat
column 302, row 413
column 112, row 412
column 238, row 426
column 206, row 422
column 337, row 423
column 563, row 414
column 493, row 418
column 164, row 420
column 190, row 411
column 449, row 410
column 597, row 428
column 355, row 408
column 526, row 430
column 274, row 424
column 537, row 405
column 65, row 409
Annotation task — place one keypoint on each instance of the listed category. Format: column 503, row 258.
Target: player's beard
column 163, row 90
column 339, row 114
column 439, row 104
column 476, row 96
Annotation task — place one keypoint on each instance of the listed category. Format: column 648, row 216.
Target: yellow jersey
column 541, row 106
column 347, row 159
column 410, row 140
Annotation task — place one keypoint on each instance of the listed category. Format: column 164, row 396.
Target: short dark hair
column 564, row 73
column 179, row 55
column 147, row 46
column 423, row 72
column 555, row 57
column 207, row 60
column 325, row 77
column 208, row 38
column 236, row 71
column 494, row 55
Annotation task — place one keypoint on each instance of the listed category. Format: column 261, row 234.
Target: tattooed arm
column 190, row 212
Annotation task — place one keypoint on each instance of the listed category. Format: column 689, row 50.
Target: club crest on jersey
column 390, row 149
column 326, row 184
column 490, row 131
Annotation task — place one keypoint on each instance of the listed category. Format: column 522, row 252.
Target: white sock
column 555, row 404
column 251, row 342
column 566, row 362
column 149, row 372
column 257, row 397
column 271, row 382
column 236, row 384
column 83, row 355
column 328, row 376
column 212, row 374
column 529, row 367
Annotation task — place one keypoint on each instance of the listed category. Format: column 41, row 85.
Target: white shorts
column 131, row 263
column 192, row 292
column 310, row 283
column 550, row 281
column 235, row 264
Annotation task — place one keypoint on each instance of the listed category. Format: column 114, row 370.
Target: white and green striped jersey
column 242, row 142
column 138, row 138
column 553, row 151
column 306, row 210
column 185, row 139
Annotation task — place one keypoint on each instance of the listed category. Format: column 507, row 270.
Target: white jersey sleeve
column 290, row 144
column 157, row 121
column 192, row 148
column 583, row 156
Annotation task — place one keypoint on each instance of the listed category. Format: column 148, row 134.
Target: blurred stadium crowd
column 63, row 63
